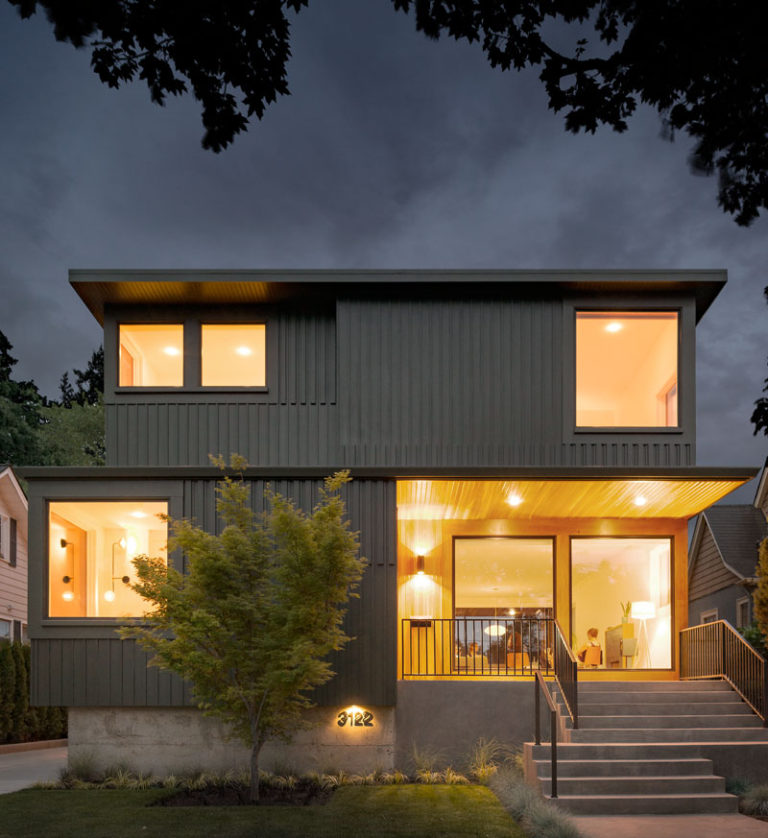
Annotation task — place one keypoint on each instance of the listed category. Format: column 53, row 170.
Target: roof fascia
column 98, row 288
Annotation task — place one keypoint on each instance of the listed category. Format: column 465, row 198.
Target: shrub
column 754, row 801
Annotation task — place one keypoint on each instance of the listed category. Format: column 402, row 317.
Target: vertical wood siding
column 99, row 671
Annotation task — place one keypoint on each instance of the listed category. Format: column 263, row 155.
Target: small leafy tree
column 760, row 598
column 260, row 607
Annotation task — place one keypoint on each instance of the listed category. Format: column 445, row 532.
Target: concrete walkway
column 670, row 826
column 25, row 768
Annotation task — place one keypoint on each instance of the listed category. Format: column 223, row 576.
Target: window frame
column 174, row 558
column 740, row 603
column 710, row 615
column 672, row 593
column 587, row 307
column 192, row 324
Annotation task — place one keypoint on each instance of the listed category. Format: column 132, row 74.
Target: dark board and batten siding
column 292, row 423
column 103, row 671
column 466, row 383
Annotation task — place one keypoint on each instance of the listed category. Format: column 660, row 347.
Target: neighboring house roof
column 737, row 530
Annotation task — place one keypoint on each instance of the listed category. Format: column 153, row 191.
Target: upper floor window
column 91, row 545
column 151, row 355
column 233, row 355
column 626, row 369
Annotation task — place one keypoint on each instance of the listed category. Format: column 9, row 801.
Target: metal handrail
column 541, row 686
column 717, row 650
column 567, row 674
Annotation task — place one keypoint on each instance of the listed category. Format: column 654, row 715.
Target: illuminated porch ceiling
column 524, row 498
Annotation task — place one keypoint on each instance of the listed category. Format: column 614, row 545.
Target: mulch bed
column 303, row 794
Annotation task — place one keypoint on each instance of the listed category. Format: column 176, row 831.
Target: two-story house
column 522, row 446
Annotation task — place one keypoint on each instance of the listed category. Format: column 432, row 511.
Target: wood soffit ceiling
column 487, row 499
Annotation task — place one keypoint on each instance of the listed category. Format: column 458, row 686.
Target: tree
column 700, row 63
column 20, row 405
column 759, row 416
column 760, row 597
column 258, row 611
column 74, row 435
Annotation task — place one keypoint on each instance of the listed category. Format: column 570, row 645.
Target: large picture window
column 151, row 355
column 626, row 369
column 621, row 602
column 91, row 545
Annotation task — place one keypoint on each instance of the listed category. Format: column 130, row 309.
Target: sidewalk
column 24, row 768
column 670, row 826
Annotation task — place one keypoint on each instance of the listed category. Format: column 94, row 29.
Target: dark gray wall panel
column 100, row 672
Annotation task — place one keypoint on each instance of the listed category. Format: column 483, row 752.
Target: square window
column 233, row 355
column 151, row 355
column 626, row 369
column 91, row 545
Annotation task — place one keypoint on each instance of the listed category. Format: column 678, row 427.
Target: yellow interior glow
column 151, row 355
column 233, row 355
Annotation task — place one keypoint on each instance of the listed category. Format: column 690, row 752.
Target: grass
column 393, row 811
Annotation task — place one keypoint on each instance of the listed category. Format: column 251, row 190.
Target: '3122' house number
column 355, row 718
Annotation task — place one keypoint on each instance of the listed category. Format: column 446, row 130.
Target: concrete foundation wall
column 449, row 717
column 175, row 740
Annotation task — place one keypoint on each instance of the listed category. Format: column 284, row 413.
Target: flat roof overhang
column 481, row 493
column 99, row 288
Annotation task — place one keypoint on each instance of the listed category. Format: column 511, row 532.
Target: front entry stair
column 638, row 748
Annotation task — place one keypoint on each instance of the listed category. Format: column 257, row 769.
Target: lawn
column 407, row 811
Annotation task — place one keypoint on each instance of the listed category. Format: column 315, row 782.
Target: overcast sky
column 392, row 152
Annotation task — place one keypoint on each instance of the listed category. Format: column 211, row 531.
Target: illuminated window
column 620, row 587
column 151, row 355
column 626, row 369
column 91, row 546
column 233, row 355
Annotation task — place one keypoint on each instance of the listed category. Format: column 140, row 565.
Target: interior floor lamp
column 643, row 610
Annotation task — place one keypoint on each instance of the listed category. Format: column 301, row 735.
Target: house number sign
column 355, row 717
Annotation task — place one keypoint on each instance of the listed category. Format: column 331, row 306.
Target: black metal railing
column 566, row 671
column 717, row 650
column 541, row 687
column 477, row 646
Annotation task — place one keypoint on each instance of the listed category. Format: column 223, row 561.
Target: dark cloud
column 392, row 151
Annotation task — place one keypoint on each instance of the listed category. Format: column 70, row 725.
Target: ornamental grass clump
column 754, row 801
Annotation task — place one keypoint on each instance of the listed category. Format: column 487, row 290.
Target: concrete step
column 660, row 784
column 678, row 721
column 654, row 686
column 625, row 767
column 601, row 751
column 657, row 734
column 647, row 804
column 661, row 708
column 654, row 697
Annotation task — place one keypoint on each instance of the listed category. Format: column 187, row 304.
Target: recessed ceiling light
column 614, row 327
column 244, row 350
column 641, row 500
column 172, row 350
column 513, row 499
column 137, row 513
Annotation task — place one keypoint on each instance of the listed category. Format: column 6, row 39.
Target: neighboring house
column 522, row 445
column 13, row 557
column 723, row 560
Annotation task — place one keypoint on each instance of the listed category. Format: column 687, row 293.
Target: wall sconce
column 109, row 595
column 420, row 561
column 68, row 595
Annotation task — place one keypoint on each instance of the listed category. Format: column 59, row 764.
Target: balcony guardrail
column 478, row 646
column 717, row 650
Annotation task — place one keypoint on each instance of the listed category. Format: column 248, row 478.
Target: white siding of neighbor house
column 13, row 580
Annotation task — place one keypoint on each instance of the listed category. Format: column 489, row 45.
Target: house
column 523, row 453
column 13, row 557
column 723, row 560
